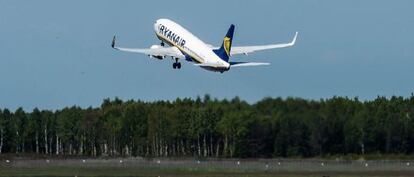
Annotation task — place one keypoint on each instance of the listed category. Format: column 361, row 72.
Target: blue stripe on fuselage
column 181, row 48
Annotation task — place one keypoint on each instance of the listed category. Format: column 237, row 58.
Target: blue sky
column 57, row 53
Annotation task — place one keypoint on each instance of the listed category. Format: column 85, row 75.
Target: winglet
column 294, row 39
column 113, row 42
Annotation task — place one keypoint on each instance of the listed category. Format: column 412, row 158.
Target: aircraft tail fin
column 224, row 51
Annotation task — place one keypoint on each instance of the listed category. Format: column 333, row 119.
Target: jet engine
column 160, row 57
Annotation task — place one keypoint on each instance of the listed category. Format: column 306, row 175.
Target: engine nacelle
column 155, row 47
column 160, row 57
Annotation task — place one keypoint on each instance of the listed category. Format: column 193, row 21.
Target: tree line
column 206, row 127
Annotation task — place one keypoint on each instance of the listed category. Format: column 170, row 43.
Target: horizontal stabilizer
column 243, row 64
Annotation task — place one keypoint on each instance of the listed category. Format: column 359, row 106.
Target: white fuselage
column 192, row 48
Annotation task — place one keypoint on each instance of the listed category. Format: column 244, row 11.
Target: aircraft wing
column 159, row 51
column 250, row 49
column 243, row 64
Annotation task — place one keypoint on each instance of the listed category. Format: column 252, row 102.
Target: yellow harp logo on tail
column 226, row 43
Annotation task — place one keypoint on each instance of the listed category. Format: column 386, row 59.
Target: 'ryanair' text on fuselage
column 163, row 30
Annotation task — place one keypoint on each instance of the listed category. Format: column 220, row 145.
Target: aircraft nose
column 157, row 22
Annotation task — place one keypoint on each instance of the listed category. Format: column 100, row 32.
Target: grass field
column 205, row 168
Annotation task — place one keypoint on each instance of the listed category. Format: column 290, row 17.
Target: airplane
column 185, row 45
